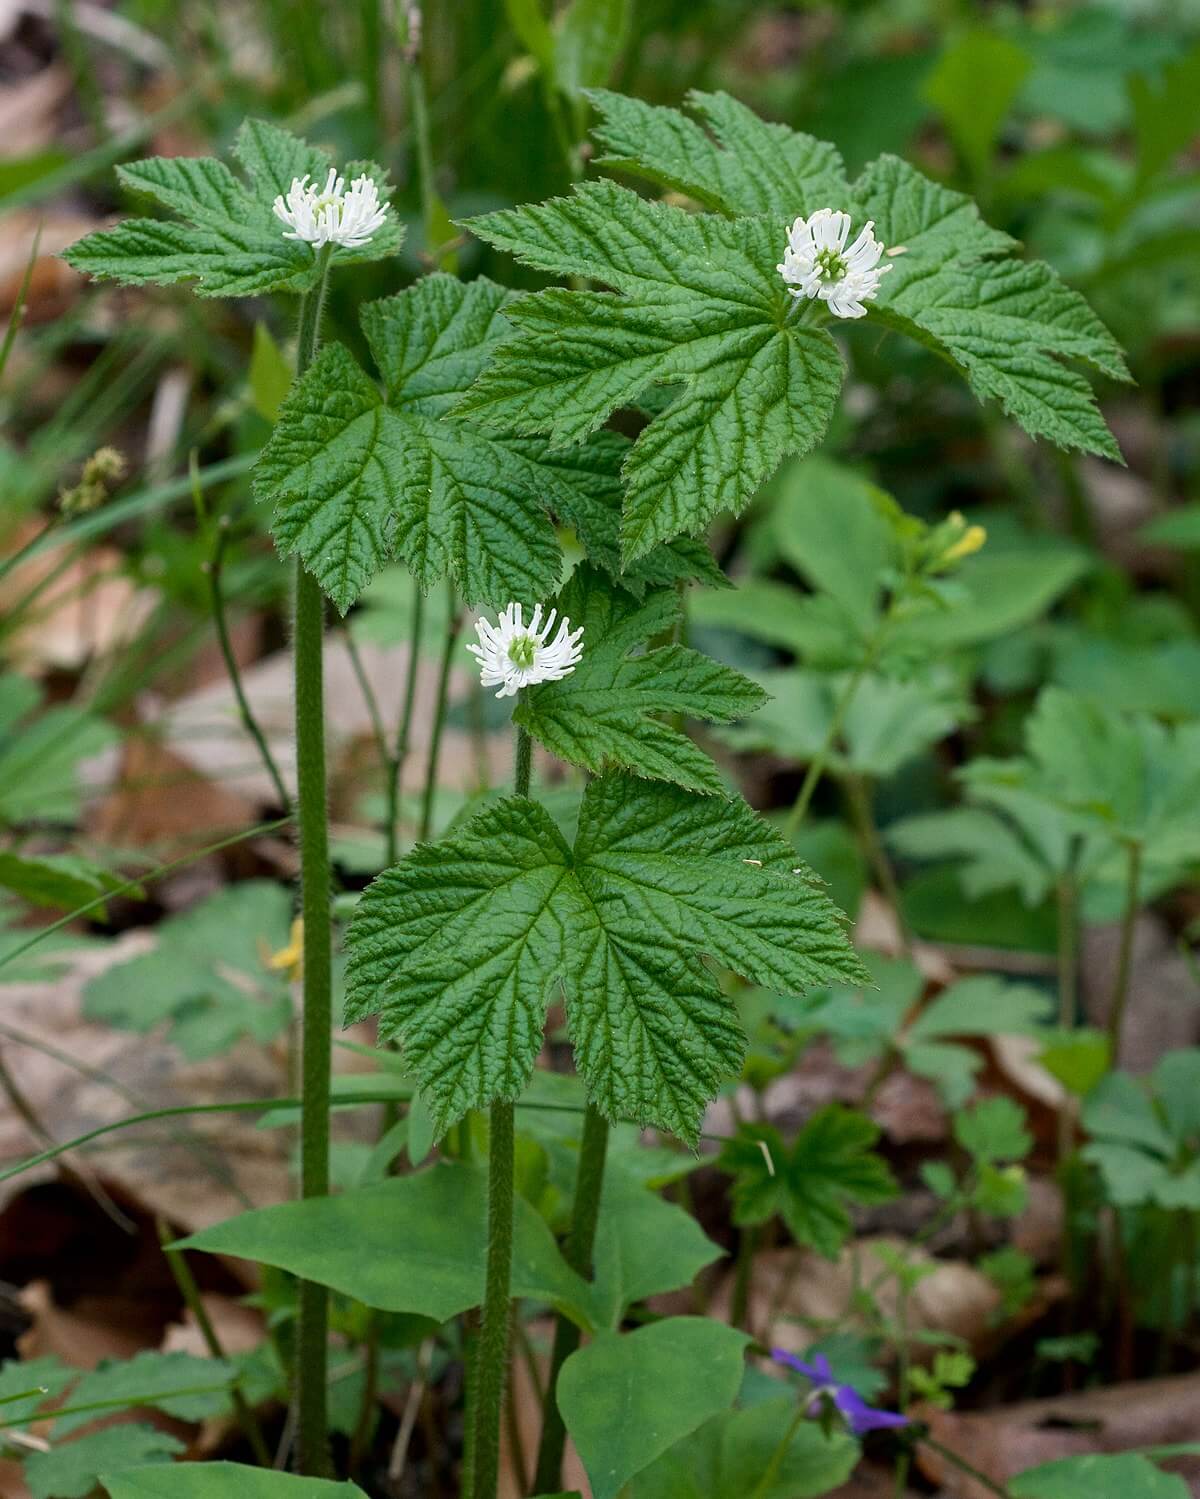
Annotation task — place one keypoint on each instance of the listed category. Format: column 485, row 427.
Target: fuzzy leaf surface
column 460, row 947
column 359, row 475
column 226, row 238
column 700, row 304
column 600, row 715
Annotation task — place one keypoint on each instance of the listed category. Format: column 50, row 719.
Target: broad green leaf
column 222, row 1481
column 993, row 1131
column 208, row 974
column 413, row 1244
column 993, row 855
column 1176, row 1083
column 745, row 166
column 973, row 87
column 462, row 945
column 644, row 1246
column 1078, row 1058
column 229, row 240
column 358, row 475
column 983, row 1005
column 626, row 1398
column 40, row 755
column 1121, row 1109
column 57, row 880
column 830, row 1163
column 700, row 304
column 887, row 723
column 589, row 40
column 1007, row 325
column 729, row 1456
column 599, row 716
column 1166, row 112
column 181, row 1385
column 1128, row 1474
column 72, row 1470
column 270, row 374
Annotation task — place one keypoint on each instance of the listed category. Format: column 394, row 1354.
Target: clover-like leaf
column 460, row 947
column 227, row 239
column 829, row 1164
column 701, row 305
column 599, row 715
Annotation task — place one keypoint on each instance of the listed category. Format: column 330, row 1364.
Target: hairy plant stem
column 577, row 1251
column 490, row 1364
column 1120, row 995
column 439, row 715
column 312, row 1340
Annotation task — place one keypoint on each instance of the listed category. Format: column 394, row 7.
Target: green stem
column 743, row 1273
column 773, row 1469
column 492, row 1354
column 1120, row 995
column 439, row 716
column 816, row 766
column 577, row 1251
column 404, row 732
column 859, row 798
column 964, row 1466
column 312, row 1350
column 491, row 1358
column 181, row 1272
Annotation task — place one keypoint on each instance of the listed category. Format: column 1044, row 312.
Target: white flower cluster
column 517, row 655
column 331, row 215
column 817, row 263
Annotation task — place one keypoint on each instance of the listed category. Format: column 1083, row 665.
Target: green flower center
column 520, row 652
column 328, row 200
column 830, row 265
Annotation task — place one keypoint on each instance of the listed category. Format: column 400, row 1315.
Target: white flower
column 331, row 215
column 817, row 263
column 518, row 655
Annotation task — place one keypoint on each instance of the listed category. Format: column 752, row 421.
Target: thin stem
column 816, row 766
column 743, row 1273
column 404, row 732
column 773, row 1469
column 491, row 1357
column 439, row 716
column 308, row 640
column 213, row 568
column 1120, row 995
column 577, row 1251
column 859, row 798
column 1068, row 964
column 181, row 1272
column 964, row 1466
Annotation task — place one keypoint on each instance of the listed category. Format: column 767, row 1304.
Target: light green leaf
column 270, row 374
column 222, row 1481
column 599, row 716
column 1166, row 112
column 993, row 1131
column 230, row 242
column 357, row 475
column 829, row 1164
column 983, row 1005
column 462, row 945
column 72, row 1470
column 973, row 87
column 181, row 1385
column 528, row 20
column 18, row 1376
column 56, row 880
column 729, row 1456
column 208, row 974
column 1128, row 1474
column 627, row 1398
column 1121, row 1109
column 589, row 40
column 1005, row 324
column 413, row 1244
column 644, row 1247
column 701, row 304
column 745, row 167
column 993, row 855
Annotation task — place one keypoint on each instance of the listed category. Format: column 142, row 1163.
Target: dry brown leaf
column 1002, row 1443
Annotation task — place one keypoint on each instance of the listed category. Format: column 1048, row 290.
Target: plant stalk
column 577, row 1251
column 312, row 1350
column 439, row 715
column 491, row 1357
column 1120, row 996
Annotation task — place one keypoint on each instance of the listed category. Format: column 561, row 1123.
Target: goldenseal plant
column 471, row 439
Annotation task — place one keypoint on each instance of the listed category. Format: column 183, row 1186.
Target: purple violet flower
column 826, row 1392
